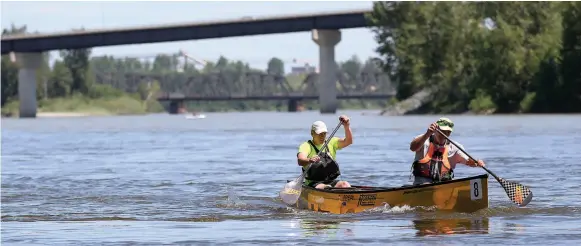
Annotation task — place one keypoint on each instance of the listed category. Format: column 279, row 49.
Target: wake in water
column 274, row 208
column 157, row 205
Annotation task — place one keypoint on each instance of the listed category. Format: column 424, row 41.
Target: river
column 163, row 179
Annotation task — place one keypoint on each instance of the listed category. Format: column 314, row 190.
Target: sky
column 44, row 16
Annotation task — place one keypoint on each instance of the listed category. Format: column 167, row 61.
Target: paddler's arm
column 464, row 159
column 419, row 141
column 302, row 159
column 302, row 156
column 348, row 139
column 467, row 161
column 472, row 163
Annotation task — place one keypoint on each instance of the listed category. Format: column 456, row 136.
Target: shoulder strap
column 315, row 147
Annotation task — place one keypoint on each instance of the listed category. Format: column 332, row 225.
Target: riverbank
column 280, row 106
column 80, row 106
column 60, row 114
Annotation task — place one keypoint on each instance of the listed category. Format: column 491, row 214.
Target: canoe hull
column 460, row 195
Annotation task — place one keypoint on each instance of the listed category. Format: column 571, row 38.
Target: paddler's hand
column 479, row 163
column 344, row 120
column 314, row 159
column 432, row 128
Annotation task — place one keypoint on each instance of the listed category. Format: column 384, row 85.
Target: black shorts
column 315, row 183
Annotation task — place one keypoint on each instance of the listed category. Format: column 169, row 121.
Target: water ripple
column 161, row 179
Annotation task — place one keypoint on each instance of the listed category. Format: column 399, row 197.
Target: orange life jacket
column 435, row 164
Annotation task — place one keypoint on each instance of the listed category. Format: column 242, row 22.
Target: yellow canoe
column 460, row 195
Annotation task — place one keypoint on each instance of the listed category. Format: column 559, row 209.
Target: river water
column 167, row 180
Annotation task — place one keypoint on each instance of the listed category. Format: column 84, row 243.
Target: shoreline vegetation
column 79, row 105
column 439, row 57
column 483, row 57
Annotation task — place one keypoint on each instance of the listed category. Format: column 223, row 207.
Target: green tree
column 426, row 44
column 525, row 36
column 42, row 75
column 222, row 63
column 10, row 69
column 569, row 91
column 60, row 80
column 515, row 65
column 77, row 61
column 352, row 67
column 162, row 63
column 9, row 80
column 275, row 66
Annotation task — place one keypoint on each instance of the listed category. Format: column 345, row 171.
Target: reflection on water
column 420, row 227
column 427, row 227
column 325, row 228
column 513, row 227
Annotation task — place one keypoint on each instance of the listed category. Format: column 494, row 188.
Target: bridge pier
column 29, row 63
column 293, row 105
column 327, row 39
column 176, row 107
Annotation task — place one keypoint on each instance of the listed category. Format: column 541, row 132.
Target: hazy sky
column 256, row 50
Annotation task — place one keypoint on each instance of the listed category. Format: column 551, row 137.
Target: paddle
column 518, row 193
column 292, row 190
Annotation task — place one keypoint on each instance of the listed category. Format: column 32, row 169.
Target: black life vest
column 326, row 169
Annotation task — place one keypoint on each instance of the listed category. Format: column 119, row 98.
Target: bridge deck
column 183, row 31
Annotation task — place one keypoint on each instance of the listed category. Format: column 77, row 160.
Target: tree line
column 71, row 75
column 77, row 72
column 178, row 74
column 501, row 57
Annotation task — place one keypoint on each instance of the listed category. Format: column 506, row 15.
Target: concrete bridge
column 325, row 28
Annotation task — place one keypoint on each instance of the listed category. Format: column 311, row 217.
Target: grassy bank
column 83, row 105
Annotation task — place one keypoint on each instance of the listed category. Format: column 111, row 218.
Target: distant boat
column 195, row 116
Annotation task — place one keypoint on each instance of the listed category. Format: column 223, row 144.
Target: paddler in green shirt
column 323, row 174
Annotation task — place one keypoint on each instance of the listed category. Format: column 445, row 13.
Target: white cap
column 318, row 127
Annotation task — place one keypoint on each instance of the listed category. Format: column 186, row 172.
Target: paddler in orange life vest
column 324, row 171
column 436, row 158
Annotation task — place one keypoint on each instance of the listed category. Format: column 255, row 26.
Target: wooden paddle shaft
column 440, row 132
column 329, row 138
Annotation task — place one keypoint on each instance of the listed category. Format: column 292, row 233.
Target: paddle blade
column 518, row 193
column 292, row 191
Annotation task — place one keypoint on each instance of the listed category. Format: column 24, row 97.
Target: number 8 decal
column 475, row 189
